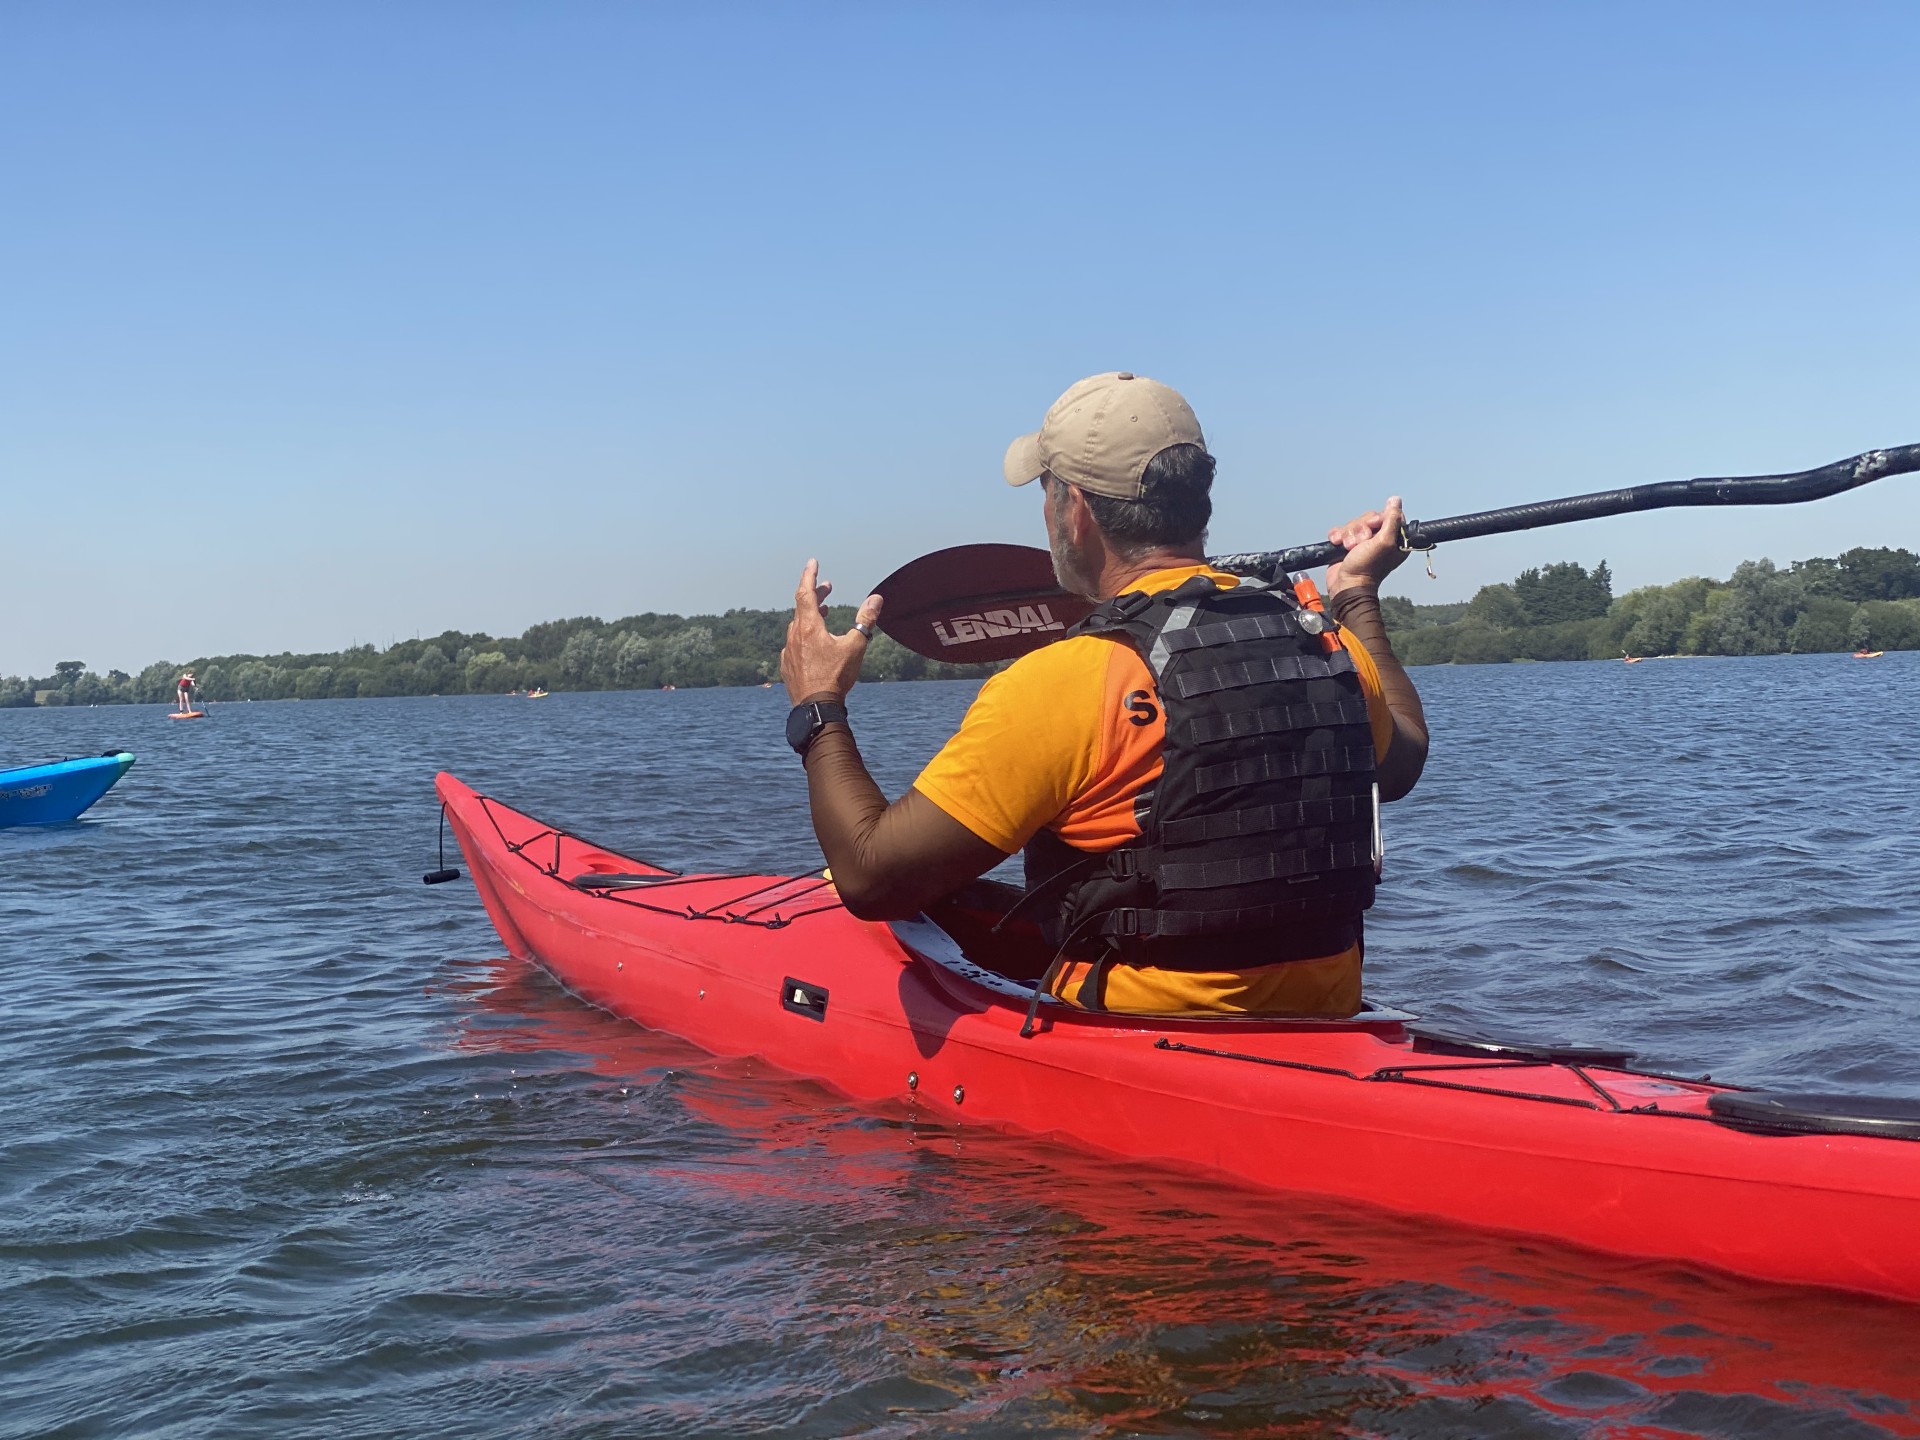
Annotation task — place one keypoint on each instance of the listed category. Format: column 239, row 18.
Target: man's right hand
column 1373, row 547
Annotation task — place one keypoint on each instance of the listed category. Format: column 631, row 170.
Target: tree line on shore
column 640, row 652
column 1865, row 598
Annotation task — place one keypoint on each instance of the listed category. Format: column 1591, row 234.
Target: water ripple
column 283, row 1151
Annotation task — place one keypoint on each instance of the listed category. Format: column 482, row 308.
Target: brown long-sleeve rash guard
column 888, row 861
column 891, row 861
column 1357, row 608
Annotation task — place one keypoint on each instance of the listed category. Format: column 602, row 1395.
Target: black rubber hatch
column 1782, row 1113
column 1433, row 1040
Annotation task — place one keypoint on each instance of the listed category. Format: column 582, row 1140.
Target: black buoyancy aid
column 1259, row 841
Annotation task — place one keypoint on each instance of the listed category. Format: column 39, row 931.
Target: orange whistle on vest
column 1308, row 594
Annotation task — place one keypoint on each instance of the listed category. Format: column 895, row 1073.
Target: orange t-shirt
column 1065, row 739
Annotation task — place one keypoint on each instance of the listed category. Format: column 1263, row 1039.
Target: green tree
column 1429, row 645
column 1753, row 615
column 314, row 682
column 89, row 689
column 1863, row 574
column 1654, row 620
column 684, row 655
column 545, row 641
column 1824, row 624
column 431, row 670
column 1481, row 645
column 583, row 660
column 1498, row 606
column 1569, row 640
column 154, row 684
column 1563, row 591
column 1887, row 625
column 486, row 673
column 632, row 659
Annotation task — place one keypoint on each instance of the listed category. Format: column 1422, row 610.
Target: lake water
column 288, row 1149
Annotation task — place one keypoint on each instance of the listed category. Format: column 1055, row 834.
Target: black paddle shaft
column 1791, row 489
column 993, row 602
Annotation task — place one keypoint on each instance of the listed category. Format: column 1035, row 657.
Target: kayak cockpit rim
column 1810, row 1118
column 941, row 953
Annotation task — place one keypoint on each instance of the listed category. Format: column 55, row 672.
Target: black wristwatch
column 805, row 722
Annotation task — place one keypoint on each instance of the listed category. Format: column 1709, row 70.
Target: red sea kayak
column 1555, row 1141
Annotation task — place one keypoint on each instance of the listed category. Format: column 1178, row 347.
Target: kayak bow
column 1565, row 1142
column 62, row 791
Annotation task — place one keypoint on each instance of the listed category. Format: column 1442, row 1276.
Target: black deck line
column 1403, row 1075
column 669, row 879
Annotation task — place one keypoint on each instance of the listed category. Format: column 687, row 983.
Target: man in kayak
column 1220, row 862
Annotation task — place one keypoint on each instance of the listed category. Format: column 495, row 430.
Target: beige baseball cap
column 1102, row 432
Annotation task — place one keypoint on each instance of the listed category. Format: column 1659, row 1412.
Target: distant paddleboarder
column 185, row 689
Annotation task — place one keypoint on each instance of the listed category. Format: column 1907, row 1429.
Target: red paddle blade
column 977, row 602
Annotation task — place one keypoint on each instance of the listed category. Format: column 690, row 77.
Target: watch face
column 801, row 722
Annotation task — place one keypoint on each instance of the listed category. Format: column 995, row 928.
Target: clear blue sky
column 347, row 322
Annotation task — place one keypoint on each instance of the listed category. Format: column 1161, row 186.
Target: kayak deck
column 63, row 790
column 1561, row 1141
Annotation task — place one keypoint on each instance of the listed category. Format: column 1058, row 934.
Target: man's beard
column 1071, row 569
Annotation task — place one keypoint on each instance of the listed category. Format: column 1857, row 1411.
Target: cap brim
column 1023, row 464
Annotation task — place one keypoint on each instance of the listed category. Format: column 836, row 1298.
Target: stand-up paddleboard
column 51, row 794
column 187, row 715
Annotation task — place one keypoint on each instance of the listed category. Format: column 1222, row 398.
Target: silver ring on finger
column 864, row 628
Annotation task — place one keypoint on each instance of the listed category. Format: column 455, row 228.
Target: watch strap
column 816, row 715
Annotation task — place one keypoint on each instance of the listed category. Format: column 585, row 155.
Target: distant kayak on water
column 1868, row 654
column 59, row 792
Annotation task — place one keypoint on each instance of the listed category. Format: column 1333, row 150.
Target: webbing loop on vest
column 1204, row 924
column 1274, row 720
column 1240, row 628
column 1244, row 673
column 1345, row 760
column 1260, row 818
column 1215, row 874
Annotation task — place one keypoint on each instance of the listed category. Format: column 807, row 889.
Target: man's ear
column 1077, row 515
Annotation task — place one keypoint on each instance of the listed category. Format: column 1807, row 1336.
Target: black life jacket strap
column 1276, row 720
column 1257, row 869
column 1257, row 769
column 1091, row 994
column 1077, row 870
column 1259, row 819
column 1043, row 987
column 1117, row 612
column 1196, row 924
column 1240, row 629
column 1241, row 674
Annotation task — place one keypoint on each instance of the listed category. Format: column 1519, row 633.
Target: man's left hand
column 1373, row 547
column 817, row 663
